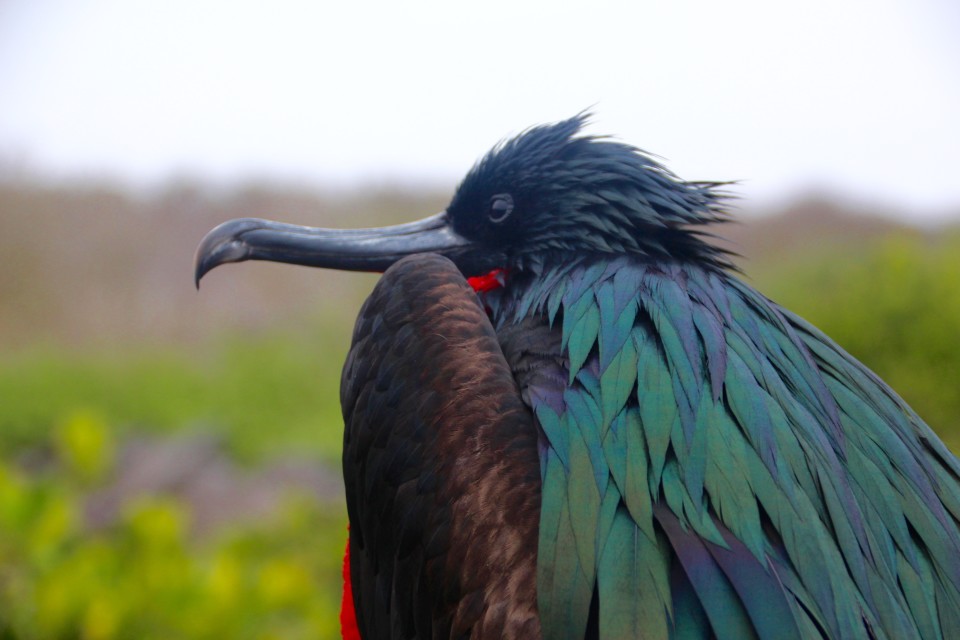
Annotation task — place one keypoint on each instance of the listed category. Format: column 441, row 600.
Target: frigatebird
column 566, row 417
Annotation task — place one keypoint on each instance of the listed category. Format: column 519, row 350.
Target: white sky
column 857, row 98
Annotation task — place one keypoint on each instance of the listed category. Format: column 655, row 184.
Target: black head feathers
column 551, row 190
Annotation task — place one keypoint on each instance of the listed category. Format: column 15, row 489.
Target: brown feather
column 440, row 463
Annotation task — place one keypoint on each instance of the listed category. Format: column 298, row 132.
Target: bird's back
column 714, row 465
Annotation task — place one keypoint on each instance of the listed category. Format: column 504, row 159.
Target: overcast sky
column 856, row 98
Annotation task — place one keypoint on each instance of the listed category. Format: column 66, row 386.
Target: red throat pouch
column 348, row 613
column 489, row 281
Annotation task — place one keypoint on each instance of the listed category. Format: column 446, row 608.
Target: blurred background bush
column 169, row 460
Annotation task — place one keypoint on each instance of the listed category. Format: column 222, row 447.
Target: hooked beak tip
column 223, row 244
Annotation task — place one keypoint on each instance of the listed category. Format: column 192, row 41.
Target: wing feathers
column 699, row 425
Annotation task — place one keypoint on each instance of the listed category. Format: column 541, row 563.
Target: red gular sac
column 348, row 613
column 488, row 282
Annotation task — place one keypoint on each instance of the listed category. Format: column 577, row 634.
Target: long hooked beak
column 349, row 249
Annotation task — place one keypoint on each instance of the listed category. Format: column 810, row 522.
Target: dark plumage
column 420, row 473
column 623, row 440
column 583, row 193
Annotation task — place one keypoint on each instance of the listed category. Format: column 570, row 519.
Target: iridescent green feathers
column 714, row 464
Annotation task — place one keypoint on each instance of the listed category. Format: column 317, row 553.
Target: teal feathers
column 718, row 466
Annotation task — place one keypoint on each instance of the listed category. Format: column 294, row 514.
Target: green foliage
column 145, row 577
column 895, row 305
column 85, row 444
column 263, row 395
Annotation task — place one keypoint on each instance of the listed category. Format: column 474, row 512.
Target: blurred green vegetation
column 144, row 576
column 264, row 394
column 103, row 338
column 894, row 304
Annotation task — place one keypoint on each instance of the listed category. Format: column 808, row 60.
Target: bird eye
column 501, row 206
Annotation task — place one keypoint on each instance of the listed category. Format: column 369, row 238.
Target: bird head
column 548, row 194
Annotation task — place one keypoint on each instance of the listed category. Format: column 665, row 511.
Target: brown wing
column 440, row 465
